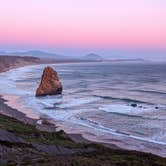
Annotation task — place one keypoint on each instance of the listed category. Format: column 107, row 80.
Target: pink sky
column 84, row 23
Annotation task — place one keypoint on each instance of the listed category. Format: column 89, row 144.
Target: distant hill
column 36, row 53
column 8, row 62
column 2, row 53
column 92, row 57
column 42, row 54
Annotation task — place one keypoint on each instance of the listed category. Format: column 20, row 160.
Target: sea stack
column 50, row 83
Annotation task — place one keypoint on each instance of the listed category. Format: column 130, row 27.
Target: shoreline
column 14, row 112
column 11, row 112
column 10, row 108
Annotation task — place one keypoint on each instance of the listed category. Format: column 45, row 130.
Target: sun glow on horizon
column 95, row 23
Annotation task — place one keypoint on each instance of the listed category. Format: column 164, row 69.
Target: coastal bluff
column 50, row 83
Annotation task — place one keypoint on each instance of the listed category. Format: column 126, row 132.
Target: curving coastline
column 5, row 109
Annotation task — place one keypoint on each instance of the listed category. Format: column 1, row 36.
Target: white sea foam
column 100, row 128
column 123, row 109
column 78, row 98
column 77, row 102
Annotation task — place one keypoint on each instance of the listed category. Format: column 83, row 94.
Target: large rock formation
column 50, row 83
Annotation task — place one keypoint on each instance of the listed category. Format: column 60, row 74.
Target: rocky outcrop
column 50, row 83
column 6, row 136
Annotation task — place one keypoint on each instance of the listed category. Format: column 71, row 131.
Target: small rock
column 47, row 123
column 134, row 105
column 6, row 136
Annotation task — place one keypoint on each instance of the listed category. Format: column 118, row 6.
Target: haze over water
column 96, row 101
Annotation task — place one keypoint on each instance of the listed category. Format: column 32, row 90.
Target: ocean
column 117, row 103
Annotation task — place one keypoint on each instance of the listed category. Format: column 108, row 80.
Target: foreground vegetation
column 26, row 152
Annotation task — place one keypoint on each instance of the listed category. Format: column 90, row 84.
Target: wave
column 128, row 100
column 123, row 109
column 77, row 98
column 97, row 126
column 77, row 102
column 149, row 91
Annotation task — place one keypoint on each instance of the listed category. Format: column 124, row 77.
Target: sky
column 79, row 26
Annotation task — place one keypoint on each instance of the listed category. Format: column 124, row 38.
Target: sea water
column 97, row 101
